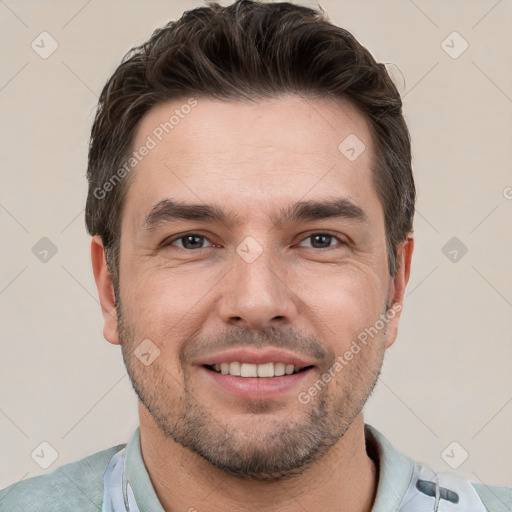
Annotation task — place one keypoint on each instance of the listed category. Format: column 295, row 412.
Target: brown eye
column 322, row 241
column 190, row 241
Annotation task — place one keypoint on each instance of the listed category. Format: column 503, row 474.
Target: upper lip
column 258, row 356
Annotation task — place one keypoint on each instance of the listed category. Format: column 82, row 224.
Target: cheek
column 333, row 301
column 343, row 301
column 166, row 306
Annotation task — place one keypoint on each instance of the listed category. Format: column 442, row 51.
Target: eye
column 189, row 241
column 322, row 241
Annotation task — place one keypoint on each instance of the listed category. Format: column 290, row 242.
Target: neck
column 344, row 479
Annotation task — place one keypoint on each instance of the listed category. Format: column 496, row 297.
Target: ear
column 105, row 290
column 397, row 287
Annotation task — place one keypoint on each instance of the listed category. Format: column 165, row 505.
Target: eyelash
column 169, row 242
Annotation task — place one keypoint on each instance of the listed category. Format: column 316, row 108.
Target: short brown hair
column 248, row 50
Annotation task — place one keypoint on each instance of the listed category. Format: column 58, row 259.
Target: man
column 251, row 203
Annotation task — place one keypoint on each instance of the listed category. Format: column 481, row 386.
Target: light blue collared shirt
column 116, row 480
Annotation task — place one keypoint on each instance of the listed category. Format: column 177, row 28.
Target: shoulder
column 432, row 490
column 73, row 487
column 495, row 499
column 412, row 486
column 448, row 489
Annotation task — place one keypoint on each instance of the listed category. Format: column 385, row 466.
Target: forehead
column 251, row 154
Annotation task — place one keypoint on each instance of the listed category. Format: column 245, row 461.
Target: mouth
column 250, row 381
column 261, row 374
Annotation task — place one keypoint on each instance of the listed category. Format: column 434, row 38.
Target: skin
column 203, row 447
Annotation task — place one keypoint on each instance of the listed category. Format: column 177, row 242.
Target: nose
column 258, row 294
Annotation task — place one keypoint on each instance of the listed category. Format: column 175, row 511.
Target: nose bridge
column 256, row 293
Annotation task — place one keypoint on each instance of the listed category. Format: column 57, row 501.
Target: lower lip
column 256, row 387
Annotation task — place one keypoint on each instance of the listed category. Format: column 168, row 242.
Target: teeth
column 266, row 370
column 248, row 370
column 279, row 369
column 255, row 370
column 235, row 369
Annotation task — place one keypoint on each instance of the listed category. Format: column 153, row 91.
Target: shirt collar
column 395, row 470
column 137, row 475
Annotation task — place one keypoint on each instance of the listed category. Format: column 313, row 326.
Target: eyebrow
column 168, row 210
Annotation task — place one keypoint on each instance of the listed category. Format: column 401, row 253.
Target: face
column 253, row 245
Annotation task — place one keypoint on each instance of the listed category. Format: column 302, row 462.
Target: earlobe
column 398, row 285
column 105, row 290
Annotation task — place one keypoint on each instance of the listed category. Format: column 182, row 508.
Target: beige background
column 448, row 376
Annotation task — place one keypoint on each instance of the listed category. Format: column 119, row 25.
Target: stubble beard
column 283, row 451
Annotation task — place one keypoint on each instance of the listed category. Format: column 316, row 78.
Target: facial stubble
column 287, row 446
